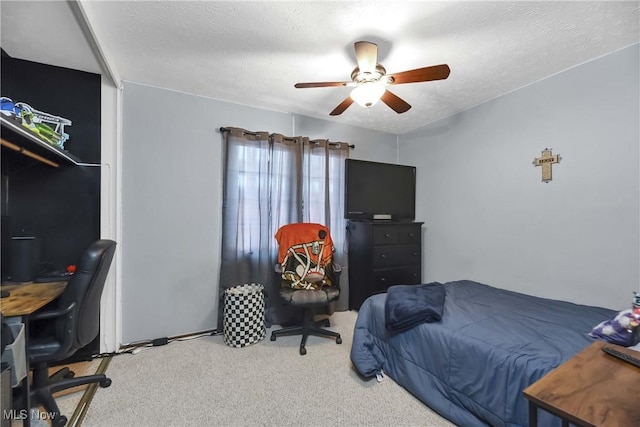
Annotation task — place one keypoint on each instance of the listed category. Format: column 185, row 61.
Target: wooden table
column 25, row 299
column 590, row 389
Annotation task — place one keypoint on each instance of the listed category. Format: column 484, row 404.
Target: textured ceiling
column 252, row 53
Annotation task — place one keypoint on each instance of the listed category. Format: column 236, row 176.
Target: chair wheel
column 339, row 340
column 69, row 374
column 105, row 383
column 59, row 421
column 273, row 337
column 303, row 351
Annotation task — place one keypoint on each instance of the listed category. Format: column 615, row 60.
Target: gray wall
column 370, row 145
column 172, row 201
column 490, row 218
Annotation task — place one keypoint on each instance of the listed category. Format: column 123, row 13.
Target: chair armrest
column 50, row 314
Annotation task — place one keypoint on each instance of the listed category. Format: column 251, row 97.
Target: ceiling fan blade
column 321, row 84
column 436, row 72
column 366, row 56
column 343, row 106
column 396, row 103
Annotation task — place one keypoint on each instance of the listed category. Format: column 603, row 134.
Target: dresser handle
column 382, row 279
column 387, row 235
column 383, row 255
column 415, row 254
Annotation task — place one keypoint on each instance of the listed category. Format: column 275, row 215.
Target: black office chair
column 310, row 278
column 72, row 324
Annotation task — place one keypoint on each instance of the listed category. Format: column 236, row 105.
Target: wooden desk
column 24, row 300
column 30, row 297
column 590, row 389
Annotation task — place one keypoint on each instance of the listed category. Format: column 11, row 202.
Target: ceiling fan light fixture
column 367, row 94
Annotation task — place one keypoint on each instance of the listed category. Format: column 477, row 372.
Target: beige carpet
column 203, row 382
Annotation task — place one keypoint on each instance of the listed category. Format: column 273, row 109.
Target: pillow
column 618, row 329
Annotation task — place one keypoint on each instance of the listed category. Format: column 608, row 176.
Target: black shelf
column 17, row 134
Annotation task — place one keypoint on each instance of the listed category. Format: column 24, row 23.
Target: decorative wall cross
column 546, row 160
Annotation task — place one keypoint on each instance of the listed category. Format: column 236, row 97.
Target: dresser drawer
column 395, row 255
column 396, row 234
column 382, row 279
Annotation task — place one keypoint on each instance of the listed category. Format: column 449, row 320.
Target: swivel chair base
column 44, row 386
column 309, row 327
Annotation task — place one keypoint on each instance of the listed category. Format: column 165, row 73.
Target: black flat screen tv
column 379, row 191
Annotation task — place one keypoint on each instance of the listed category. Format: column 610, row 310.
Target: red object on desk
column 71, row 268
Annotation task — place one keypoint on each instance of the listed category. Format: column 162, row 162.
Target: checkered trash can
column 244, row 315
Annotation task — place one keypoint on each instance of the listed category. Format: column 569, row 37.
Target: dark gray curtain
column 271, row 180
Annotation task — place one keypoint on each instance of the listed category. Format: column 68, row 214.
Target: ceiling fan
column 370, row 81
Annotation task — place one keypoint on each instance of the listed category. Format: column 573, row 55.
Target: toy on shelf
column 48, row 127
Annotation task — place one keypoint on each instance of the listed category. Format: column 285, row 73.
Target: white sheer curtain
column 323, row 190
column 270, row 181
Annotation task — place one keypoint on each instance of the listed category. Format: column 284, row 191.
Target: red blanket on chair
column 302, row 233
column 305, row 249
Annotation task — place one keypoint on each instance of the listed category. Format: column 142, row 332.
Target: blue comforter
column 472, row 366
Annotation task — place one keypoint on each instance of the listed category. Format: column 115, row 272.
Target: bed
column 472, row 365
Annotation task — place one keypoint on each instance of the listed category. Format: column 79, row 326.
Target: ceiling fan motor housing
column 368, row 76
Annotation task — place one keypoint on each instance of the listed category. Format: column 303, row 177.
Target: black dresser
column 382, row 254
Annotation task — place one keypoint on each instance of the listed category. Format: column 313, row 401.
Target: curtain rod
column 352, row 146
column 223, row 129
column 338, row 143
